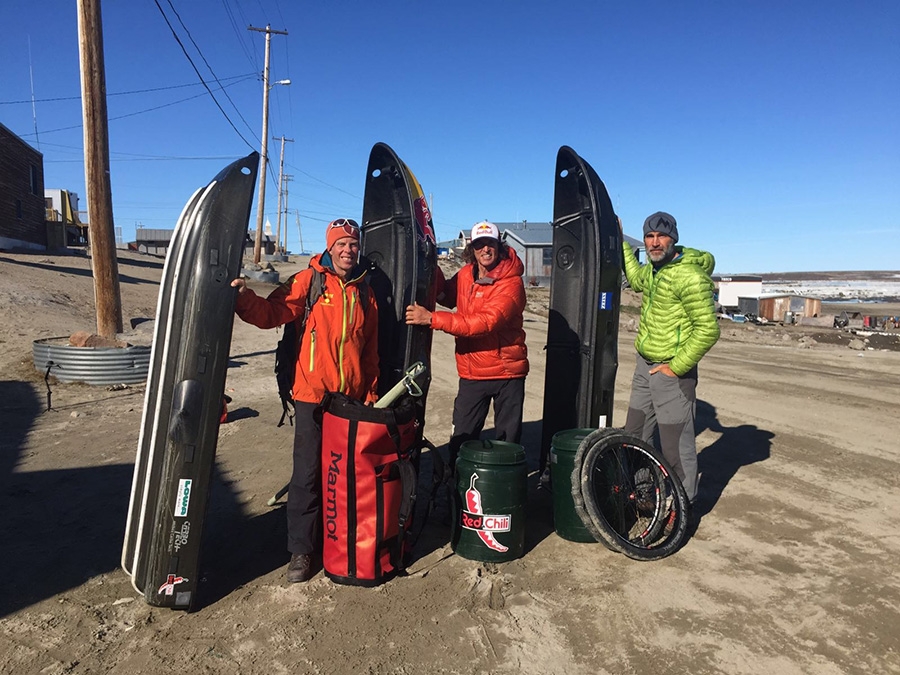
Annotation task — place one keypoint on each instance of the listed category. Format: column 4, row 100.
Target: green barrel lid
column 569, row 439
column 492, row 452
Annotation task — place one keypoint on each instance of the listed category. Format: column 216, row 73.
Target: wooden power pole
column 280, row 189
column 287, row 179
column 104, row 264
column 264, row 160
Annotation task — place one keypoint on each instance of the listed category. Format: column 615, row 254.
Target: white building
column 730, row 288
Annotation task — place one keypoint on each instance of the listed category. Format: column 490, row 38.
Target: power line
column 141, row 159
column 239, row 35
column 188, row 56
column 240, row 78
column 199, row 51
column 131, row 114
column 319, row 180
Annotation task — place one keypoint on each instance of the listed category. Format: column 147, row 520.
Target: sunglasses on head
column 350, row 227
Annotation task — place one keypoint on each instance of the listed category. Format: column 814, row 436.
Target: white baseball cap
column 485, row 229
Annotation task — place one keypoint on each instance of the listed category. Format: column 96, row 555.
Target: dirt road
column 792, row 568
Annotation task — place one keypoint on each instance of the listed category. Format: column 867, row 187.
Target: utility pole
column 280, row 186
column 287, row 178
column 263, row 165
column 299, row 231
column 105, row 267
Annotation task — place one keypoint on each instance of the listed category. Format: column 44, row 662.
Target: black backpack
column 288, row 347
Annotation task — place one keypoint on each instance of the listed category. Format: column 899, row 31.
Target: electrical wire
column 240, row 78
column 132, row 114
column 200, row 52
column 238, row 35
column 319, row 180
column 188, row 56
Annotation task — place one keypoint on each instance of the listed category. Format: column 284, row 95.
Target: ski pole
column 406, row 385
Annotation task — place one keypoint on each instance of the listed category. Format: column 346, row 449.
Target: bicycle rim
column 635, row 503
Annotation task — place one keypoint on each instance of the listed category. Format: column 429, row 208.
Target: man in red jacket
column 338, row 352
column 491, row 357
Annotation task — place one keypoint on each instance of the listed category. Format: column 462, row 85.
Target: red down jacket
column 490, row 341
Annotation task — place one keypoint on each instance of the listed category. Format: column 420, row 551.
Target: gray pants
column 669, row 403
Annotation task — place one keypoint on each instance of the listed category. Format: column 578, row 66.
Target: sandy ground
column 791, row 569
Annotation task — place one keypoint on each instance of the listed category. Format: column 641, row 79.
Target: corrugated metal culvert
column 91, row 365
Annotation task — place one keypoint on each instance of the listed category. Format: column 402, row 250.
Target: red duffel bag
column 368, row 488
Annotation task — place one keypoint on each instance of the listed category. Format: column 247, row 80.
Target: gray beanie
column 663, row 223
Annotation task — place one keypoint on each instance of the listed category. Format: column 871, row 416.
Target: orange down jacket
column 490, row 341
column 339, row 349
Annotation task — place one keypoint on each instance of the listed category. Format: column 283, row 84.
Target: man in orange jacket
column 338, row 353
column 491, row 356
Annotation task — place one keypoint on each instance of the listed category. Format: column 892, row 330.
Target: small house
column 22, row 211
column 731, row 289
column 152, row 240
column 533, row 243
column 788, row 308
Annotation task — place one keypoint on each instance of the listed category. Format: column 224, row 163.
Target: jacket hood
column 693, row 256
column 508, row 267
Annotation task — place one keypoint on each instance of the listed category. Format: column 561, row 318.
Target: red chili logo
column 475, row 519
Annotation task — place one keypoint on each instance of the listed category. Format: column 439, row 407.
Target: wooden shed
column 788, row 308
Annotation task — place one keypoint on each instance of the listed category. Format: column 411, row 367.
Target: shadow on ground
column 61, row 528
column 77, row 271
column 719, row 462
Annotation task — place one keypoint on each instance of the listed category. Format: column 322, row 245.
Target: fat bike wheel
column 627, row 495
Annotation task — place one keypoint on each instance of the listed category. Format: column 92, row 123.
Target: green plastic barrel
column 566, row 521
column 489, row 505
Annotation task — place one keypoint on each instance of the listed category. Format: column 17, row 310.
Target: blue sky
column 769, row 129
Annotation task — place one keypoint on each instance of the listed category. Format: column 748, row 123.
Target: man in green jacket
column 678, row 326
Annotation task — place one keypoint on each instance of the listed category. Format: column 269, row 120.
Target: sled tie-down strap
column 439, row 476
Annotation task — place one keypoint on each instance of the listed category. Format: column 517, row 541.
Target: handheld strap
column 408, row 482
column 316, row 290
column 288, row 412
column 440, row 474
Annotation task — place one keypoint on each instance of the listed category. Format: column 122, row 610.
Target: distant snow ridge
column 873, row 291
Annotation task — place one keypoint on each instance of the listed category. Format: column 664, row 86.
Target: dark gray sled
column 186, row 382
column 398, row 242
column 585, row 292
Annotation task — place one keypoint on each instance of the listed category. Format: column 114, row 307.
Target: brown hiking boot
column 300, row 568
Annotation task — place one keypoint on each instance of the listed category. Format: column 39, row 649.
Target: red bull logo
column 423, row 219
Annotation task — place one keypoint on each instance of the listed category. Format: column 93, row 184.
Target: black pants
column 304, row 503
column 471, row 408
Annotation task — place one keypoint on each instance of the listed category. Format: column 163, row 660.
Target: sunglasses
column 481, row 242
column 350, row 226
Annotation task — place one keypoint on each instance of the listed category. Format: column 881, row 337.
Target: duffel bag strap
column 408, row 481
column 393, row 429
column 440, row 475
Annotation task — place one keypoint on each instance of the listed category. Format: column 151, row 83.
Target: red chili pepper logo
column 483, row 525
column 168, row 588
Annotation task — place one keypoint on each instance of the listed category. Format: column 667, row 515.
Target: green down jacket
column 678, row 314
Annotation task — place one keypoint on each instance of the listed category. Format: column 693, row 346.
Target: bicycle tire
column 628, row 497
